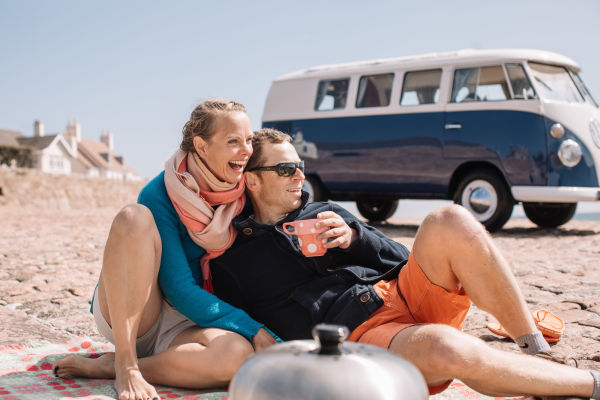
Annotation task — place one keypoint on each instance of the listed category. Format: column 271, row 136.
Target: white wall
column 54, row 160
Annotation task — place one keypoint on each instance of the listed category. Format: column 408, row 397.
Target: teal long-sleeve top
column 180, row 277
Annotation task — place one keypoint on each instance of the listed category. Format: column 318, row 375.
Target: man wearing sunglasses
column 284, row 169
column 412, row 303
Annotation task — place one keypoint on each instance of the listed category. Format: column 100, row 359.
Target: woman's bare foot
column 76, row 366
column 129, row 382
column 131, row 385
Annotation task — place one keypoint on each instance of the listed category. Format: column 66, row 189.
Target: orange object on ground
column 409, row 300
column 549, row 324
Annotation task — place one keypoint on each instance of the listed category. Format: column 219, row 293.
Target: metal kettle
column 326, row 369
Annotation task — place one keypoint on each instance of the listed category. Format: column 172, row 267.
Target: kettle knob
column 330, row 337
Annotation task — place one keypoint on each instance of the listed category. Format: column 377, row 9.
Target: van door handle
column 452, row 126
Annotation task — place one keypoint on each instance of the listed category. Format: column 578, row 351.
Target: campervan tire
column 376, row 210
column 549, row 215
column 485, row 194
column 315, row 190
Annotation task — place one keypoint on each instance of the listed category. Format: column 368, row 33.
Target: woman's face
column 228, row 150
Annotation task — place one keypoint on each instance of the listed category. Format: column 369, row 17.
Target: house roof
column 9, row 138
column 97, row 154
column 37, row 142
column 81, row 157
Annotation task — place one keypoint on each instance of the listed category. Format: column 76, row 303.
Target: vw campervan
column 485, row 128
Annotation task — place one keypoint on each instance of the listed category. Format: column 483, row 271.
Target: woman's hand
column 341, row 234
column 262, row 339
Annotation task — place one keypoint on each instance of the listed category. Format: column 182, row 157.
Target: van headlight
column 569, row 153
column 595, row 131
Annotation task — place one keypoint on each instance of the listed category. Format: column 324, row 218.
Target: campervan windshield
column 556, row 83
column 584, row 90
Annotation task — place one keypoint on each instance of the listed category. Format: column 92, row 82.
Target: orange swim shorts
column 409, row 300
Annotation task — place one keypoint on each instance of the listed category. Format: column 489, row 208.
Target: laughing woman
column 162, row 246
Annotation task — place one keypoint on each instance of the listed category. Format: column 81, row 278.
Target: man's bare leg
column 128, row 294
column 197, row 358
column 454, row 250
column 443, row 353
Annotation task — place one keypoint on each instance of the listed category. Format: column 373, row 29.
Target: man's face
column 278, row 194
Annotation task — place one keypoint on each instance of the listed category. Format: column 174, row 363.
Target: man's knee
column 133, row 220
column 452, row 222
column 451, row 216
column 446, row 351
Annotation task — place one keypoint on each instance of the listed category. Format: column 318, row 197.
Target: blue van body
column 379, row 157
column 355, row 158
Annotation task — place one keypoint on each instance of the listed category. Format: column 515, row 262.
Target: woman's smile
column 238, row 166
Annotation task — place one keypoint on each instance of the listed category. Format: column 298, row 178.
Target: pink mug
column 307, row 236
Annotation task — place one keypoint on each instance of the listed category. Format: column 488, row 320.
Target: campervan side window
column 479, row 84
column 331, row 94
column 421, row 87
column 521, row 85
column 374, row 90
column 555, row 83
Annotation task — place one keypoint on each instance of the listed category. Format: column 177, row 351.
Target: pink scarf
column 194, row 190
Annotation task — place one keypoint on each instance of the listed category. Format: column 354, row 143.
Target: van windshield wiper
column 537, row 78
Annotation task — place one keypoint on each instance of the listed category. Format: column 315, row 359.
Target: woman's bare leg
column 128, row 295
column 197, row 358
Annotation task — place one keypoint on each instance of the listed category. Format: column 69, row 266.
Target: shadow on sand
column 410, row 229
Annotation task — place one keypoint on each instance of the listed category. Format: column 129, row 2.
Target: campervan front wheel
column 486, row 196
column 376, row 210
column 549, row 215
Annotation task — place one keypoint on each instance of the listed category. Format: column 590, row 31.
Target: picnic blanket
column 26, row 374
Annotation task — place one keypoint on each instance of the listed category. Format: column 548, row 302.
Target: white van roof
column 436, row 59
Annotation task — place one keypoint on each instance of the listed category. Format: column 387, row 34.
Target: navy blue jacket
column 265, row 274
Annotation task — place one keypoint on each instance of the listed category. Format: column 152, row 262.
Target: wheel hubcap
column 481, row 199
column 375, row 206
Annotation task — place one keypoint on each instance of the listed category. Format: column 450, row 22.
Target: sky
column 138, row 68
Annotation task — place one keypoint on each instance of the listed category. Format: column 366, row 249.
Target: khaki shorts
column 169, row 324
column 409, row 300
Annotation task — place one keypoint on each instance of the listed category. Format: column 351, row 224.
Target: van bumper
column 555, row 194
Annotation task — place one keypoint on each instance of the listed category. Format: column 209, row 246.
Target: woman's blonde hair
column 202, row 120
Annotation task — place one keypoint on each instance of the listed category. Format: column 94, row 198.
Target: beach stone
column 591, row 322
column 574, row 315
column 19, row 329
column 69, row 321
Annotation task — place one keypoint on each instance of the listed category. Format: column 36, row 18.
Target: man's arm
column 361, row 243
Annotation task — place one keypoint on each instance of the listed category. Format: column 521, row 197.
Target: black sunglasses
column 282, row 169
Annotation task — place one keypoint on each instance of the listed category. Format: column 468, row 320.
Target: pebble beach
column 50, row 260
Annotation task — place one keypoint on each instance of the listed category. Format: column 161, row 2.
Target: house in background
column 70, row 153
column 50, row 153
column 12, row 152
column 97, row 158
